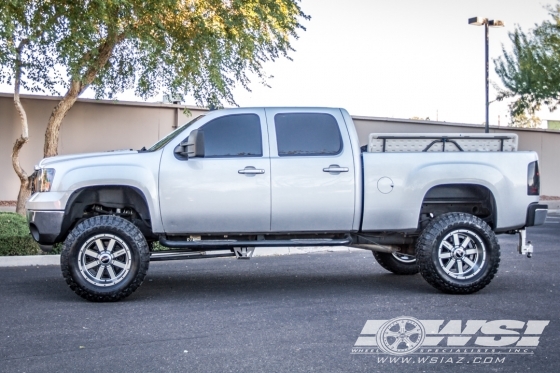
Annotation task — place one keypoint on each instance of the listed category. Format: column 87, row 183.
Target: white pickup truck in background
column 237, row 179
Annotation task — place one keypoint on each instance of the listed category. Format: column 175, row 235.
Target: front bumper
column 45, row 226
column 536, row 214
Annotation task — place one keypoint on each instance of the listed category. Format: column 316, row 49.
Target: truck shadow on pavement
column 277, row 285
column 268, row 279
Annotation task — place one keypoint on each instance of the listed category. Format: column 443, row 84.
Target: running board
column 213, row 244
column 159, row 256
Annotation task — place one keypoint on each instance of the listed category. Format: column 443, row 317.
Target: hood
column 53, row 161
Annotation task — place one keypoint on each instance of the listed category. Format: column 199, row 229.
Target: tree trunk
column 23, row 196
column 76, row 88
column 55, row 121
column 24, row 191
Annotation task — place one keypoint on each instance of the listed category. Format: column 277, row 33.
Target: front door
column 227, row 190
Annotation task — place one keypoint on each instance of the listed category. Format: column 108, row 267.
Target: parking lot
column 297, row 313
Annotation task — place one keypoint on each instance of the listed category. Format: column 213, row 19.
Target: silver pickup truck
column 237, row 179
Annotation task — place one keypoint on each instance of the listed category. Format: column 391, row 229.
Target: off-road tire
column 138, row 258
column 392, row 264
column 433, row 255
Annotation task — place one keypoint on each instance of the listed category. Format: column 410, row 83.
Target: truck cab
column 253, row 168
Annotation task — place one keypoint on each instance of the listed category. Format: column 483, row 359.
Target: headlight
column 42, row 180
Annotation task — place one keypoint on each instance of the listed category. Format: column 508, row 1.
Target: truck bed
column 395, row 184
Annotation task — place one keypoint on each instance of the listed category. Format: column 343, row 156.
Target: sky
column 393, row 58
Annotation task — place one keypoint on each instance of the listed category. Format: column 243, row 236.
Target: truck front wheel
column 399, row 264
column 458, row 253
column 105, row 258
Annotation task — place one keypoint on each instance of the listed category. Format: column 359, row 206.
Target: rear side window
column 304, row 134
column 233, row 136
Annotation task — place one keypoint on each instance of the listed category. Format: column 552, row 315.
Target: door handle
column 335, row 168
column 250, row 170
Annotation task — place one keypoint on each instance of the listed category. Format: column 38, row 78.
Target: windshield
column 161, row 143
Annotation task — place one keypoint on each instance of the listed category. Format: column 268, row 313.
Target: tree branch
column 24, row 138
column 75, row 89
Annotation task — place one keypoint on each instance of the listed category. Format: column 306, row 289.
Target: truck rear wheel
column 399, row 264
column 458, row 253
column 105, row 258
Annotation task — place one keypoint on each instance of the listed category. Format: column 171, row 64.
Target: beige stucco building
column 94, row 125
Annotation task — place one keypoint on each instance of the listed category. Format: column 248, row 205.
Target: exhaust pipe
column 379, row 248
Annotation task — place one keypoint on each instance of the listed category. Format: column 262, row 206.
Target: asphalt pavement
column 297, row 313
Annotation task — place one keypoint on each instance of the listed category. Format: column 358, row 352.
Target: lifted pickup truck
column 237, row 179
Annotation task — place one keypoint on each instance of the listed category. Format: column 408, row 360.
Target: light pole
column 478, row 21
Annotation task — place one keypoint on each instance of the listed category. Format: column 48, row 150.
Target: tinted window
column 233, row 136
column 161, row 143
column 307, row 134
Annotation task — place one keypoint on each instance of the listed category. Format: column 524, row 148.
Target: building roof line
column 108, row 102
column 357, row 117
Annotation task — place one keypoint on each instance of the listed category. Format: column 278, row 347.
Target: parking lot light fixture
column 487, row 23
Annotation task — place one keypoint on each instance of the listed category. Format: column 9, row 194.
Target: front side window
column 236, row 135
column 161, row 143
column 307, row 134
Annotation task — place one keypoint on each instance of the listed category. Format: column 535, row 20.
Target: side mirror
column 192, row 147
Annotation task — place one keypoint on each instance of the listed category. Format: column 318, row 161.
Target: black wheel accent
column 458, row 253
column 399, row 264
column 105, row 258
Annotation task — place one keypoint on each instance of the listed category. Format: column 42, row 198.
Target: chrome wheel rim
column 404, row 258
column 104, row 260
column 462, row 254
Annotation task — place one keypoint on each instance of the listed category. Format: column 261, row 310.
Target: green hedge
column 15, row 238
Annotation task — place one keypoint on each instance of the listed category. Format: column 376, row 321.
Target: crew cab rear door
column 312, row 168
column 226, row 190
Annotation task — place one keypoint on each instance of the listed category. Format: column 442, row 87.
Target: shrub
column 159, row 247
column 15, row 238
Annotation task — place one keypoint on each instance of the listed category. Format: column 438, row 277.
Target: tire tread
column 429, row 239
column 84, row 228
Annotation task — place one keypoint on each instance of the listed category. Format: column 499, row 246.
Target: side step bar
column 159, row 256
column 213, row 244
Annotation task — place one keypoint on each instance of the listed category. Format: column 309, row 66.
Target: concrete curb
column 274, row 251
column 552, row 205
column 29, row 260
column 51, row 260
